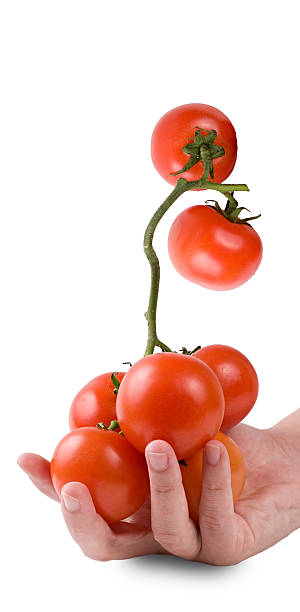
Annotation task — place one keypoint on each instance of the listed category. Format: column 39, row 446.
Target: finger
column 171, row 524
column 216, row 512
column 38, row 470
column 94, row 536
column 86, row 527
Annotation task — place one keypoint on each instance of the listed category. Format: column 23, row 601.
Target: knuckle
column 164, row 488
column 77, row 531
column 211, row 522
column 230, row 560
column 96, row 556
column 102, row 554
column 103, row 557
column 91, row 555
column 166, row 538
column 226, row 558
column 214, row 487
column 91, row 546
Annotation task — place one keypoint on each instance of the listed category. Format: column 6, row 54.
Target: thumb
column 216, row 511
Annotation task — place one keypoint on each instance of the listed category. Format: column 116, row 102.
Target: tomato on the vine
column 208, row 249
column 238, row 380
column 95, row 402
column 115, row 473
column 192, row 474
column 177, row 128
column 172, row 397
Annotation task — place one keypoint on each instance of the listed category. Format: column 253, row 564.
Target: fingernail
column 212, row 454
column 71, row 504
column 158, row 461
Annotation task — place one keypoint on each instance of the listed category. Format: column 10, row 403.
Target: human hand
column 267, row 511
column 130, row 538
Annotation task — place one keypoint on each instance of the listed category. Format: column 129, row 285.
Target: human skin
column 267, row 511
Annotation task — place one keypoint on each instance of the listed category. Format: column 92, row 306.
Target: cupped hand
column 130, row 538
column 267, row 511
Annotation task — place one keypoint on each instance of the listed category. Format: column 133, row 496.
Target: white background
column 83, row 84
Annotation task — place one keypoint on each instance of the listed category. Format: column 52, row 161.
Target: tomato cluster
column 185, row 398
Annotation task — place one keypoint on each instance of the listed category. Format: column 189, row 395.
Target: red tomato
column 208, row 249
column 237, row 377
column 95, row 403
column 115, row 473
column 192, row 475
column 177, row 127
column 172, row 397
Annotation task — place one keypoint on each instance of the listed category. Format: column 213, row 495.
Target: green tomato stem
column 181, row 187
column 150, row 253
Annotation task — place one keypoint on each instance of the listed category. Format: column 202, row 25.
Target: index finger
column 38, row 470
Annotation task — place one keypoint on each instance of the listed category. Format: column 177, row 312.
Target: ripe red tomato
column 192, row 475
column 237, row 377
column 208, row 249
column 95, row 403
column 177, row 127
column 115, row 473
column 172, row 397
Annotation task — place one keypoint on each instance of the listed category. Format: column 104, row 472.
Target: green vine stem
column 181, row 187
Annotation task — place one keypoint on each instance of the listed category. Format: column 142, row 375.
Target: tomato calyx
column 112, row 427
column 232, row 210
column 185, row 351
column 202, row 148
column 116, row 383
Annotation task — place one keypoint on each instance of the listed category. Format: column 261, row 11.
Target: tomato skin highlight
column 168, row 396
column 115, row 473
column 238, row 380
column 95, row 402
column 211, row 251
column 192, row 474
column 177, row 127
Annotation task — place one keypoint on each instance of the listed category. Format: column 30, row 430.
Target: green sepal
column 113, row 425
column 211, row 168
column 216, row 151
column 235, row 213
column 231, row 211
column 198, row 138
column 192, row 149
column 192, row 162
column 116, row 383
column 185, row 351
column 245, row 221
column 210, row 138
